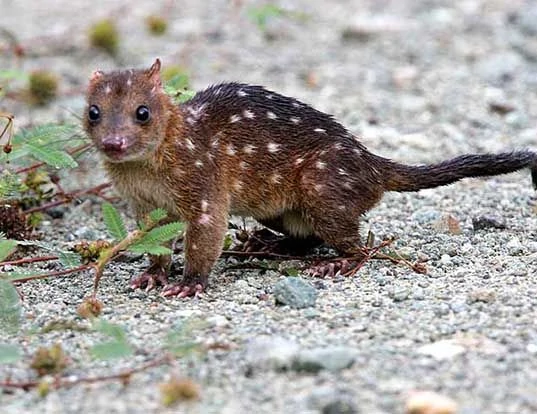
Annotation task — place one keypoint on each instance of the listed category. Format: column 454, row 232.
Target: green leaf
column 13, row 74
column 154, row 249
column 162, row 234
column 114, row 222
column 262, row 14
column 14, row 275
column 110, row 329
column 157, row 215
column 6, row 248
column 9, row 354
column 185, row 96
column 111, row 350
column 10, row 308
column 51, row 156
column 69, row 259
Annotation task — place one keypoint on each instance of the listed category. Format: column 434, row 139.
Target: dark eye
column 94, row 113
column 143, row 114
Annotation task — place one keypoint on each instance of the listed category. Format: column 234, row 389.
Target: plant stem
column 56, row 273
column 29, row 260
column 125, row 375
column 68, row 197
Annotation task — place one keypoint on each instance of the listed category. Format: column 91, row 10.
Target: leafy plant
column 177, row 86
column 105, row 36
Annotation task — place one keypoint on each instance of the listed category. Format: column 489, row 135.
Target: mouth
column 115, row 148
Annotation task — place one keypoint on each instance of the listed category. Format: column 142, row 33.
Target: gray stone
column 488, row 221
column 333, row 358
column 295, row 292
column 271, row 353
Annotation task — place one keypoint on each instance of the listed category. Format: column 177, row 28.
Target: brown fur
column 241, row 149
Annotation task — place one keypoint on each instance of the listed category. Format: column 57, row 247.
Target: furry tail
column 402, row 177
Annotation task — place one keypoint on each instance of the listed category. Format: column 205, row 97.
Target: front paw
column 151, row 278
column 189, row 286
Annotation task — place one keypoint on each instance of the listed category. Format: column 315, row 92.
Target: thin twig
column 68, row 198
column 29, row 260
column 56, row 273
column 66, row 382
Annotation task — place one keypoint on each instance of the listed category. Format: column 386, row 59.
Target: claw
column 333, row 269
column 151, row 278
column 182, row 290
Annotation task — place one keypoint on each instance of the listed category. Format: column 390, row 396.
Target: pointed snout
column 114, row 144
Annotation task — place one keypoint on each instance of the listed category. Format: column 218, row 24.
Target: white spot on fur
column 217, row 91
column 347, row 185
column 299, row 161
column 198, row 163
column 234, row 118
column 269, row 96
column 204, row 205
column 276, row 178
column 320, row 130
column 321, row 165
column 210, row 156
column 190, row 120
column 108, row 89
column 196, row 112
column 194, row 246
column 237, row 185
column 153, row 90
column 273, row 147
column 294, row 119
column 243, row 165
column 230, row 149
column 271, row 115
column 321, row 153
column 189, row 144
column 318, row 187
column 337, row 146
column 248, row 114
column 215, row 142
column 342, row 207
column 341, row 171
column 129, row 82
column 249, row 149
column 296, row 105
column 240, row 92
column 358, row 151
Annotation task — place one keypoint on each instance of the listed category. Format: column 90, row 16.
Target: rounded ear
column 97, row 74
column 154, row 72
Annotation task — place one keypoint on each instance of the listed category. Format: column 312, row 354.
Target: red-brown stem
column 89, row 380
column 29, row 260
column 69, row 197
column 56, row 273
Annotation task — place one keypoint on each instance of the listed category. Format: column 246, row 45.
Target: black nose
column 114, row 144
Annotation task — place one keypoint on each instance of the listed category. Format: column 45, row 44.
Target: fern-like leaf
column 113, row 221
column 10, row 308
column 51, row 156
column 6, row 248
column 154, row 249
column 163, row 233
column 69, row 259
column 157, row 215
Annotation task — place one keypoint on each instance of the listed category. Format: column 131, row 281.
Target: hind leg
column 298, row 237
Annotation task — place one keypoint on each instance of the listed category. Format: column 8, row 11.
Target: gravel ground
column 420, row 81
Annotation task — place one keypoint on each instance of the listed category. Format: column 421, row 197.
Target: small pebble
column 295, row 292
column 488, row 222
column 270, row 352
column 333, row 358
column 429, row 402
